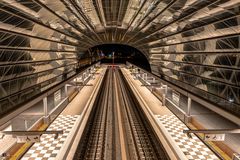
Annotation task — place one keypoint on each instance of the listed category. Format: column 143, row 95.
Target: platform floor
column 49, row 148
column 194, row 148
column 203, row 117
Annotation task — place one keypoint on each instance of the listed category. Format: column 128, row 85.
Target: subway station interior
column 119, row 79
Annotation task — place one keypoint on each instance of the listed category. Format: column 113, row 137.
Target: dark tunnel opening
column 120, row 54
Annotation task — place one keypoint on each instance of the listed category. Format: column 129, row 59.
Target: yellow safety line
column 214, row 146
column 73, row 95
column 25, row 146
column 21, row 151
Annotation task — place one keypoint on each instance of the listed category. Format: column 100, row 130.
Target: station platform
column 171, row 127
column 69, row 121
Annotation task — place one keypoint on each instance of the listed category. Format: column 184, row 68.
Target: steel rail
column 146, row 143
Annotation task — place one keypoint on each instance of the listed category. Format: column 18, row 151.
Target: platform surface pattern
column 49, row 147
column 193, row 148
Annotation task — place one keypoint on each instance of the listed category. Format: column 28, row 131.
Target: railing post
column 188, row 114
column 45, row 110
column 163, row 99
column 65, row 90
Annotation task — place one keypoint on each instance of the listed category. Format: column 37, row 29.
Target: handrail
column 197, row 98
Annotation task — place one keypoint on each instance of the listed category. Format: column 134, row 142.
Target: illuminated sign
column 214, row 137
column 57, row 97
column 29, row 138
column 175, row 97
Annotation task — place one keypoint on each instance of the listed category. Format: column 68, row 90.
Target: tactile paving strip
column 193, row 148
column 49, row 147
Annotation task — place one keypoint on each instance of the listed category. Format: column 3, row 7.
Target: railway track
column 143, row 142
column 101, row 140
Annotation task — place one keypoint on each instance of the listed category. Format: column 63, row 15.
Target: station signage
column 175, row 97
column 214, row 137
column 57, row 97
column 28, row 138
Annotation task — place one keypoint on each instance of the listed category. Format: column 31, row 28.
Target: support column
column 65, row 90
column 145, row 76
column 163, row 99
column 164, row 93
column 45, row 110
column 164, row 87
column 83, row 77
column 189, row 106
column 188, row 114
column 25, row 124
